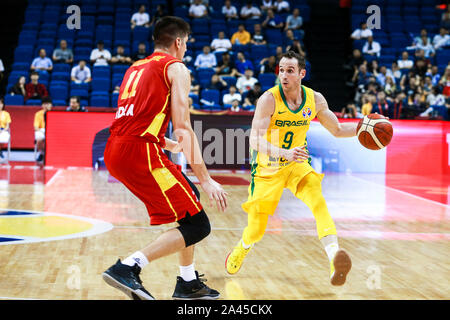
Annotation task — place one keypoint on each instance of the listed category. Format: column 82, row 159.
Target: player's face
column 289, row 74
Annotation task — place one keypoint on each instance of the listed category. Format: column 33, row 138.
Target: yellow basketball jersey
column 287, row 129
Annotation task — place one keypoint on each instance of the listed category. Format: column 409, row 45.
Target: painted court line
column 52, row 179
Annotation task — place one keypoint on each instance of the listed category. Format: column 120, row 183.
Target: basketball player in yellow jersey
column 280, row 160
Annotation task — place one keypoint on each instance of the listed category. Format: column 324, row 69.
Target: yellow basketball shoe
column 234, row 260
column 339, row 268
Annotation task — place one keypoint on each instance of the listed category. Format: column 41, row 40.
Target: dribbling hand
column 216, row 193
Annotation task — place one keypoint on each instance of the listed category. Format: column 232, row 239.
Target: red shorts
column 148, row 173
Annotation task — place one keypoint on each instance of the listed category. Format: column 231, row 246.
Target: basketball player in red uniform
column 155, row 90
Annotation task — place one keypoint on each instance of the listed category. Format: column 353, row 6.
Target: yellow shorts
column 265, row 191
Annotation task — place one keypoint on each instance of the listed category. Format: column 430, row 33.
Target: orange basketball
column 374, row 131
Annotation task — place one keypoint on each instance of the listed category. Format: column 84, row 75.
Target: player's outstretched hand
column 215, row 193
column 298, row 154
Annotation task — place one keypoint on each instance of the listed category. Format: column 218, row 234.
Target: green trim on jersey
column 285, row 102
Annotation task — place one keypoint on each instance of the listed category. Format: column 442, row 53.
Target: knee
column 195, row 228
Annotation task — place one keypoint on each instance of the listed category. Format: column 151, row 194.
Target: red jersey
column 143, row 108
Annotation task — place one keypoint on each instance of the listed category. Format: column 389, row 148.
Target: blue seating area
column 109, row 20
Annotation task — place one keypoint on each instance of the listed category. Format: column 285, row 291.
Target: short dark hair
column 34, row 73
column 168, row 28
column 76, row 98
column 294, row 55
column 47, row 99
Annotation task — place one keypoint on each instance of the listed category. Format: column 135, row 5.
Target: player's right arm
column 265, row 108
column 180, row 80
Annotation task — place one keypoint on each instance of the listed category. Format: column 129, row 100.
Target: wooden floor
column 398, row 242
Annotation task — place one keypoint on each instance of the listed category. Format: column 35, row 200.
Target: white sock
column 331, row 250
column 246, row 246
column 188, row 272
column 136, row 258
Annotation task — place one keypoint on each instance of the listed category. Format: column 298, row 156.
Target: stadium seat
column 267, row 79
column 210, row 95
column 15, row 100
column 83, row 93
column 100, row 84
column 99, row 100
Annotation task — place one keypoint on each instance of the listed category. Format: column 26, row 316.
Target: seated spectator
column 5, row 120
column 445, row 18
column 350, row 112
column 246, row 82
column 120, row 57
column 395, row 72
column 231, row 96
column 442, row 39
column 217, row 83
column 266, row 5
column 281, row 6
column 427, row 85
column 195, row 86
column 371, row 47
column 433, row 73
column 235, row 106
column 242, row 64
column 399, row 101
column 405, row 62
column 381, row 76
column 221, row 43
column 390, row 87
column 241, row 36
column 42, row 64
column 140, row 18
column 34, row 89
column 81, row 73
column 19, row 87
column 63, row 54
column 229, row 11
column 100, row 56
column 198, row 10
column 383, row 106
column 296, row 46
column 368, row 101
column 39, row 127
column 424, row 43
column 159, row 13
column 268, row 65
column 361, row 76
column 279, row 53
column 444, row 83
column 141, row 53
column 249, row 11
column 272, row 21
column 420, row 64
column 206, row 59
column 75, row 105
column 362, row 33
column 226, row 67
column 294, row 21
column 258, row 37
column 356, row 60
column 253, row 95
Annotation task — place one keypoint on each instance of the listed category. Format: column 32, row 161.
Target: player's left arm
column 329, row 120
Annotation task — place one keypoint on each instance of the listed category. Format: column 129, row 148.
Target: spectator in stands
column 266, row 5
column 39, row 127
column 405, row 62
column 217, row 83
column 231, row 96
column 399, row 101
column 442, row 39
column 350, row 112
column 81, row 73
column 362, row 33
column 272, row 21
column 268, row 65
column 433, row 73
column 198, row 10
column 293, row 44
column 249, row 11
column 361, row 76
column 19, row 87
column 221, row 43
column 120, row 57
column 383, row 106
column 421, row 63
column 395, row 72
column 390, row 88
column 34, row 89
column 381, row 76
column 5, row 120
column 206, row 59
column 356, row 60
column 195, row 86
column 281, row 6
column 294, row 21
column 371, row 47
column 246, row 82
column 415, row 105
column 243, row 64
column 140, row 18
column 368, row 101
column 444, row 83
column 258, row 37
column 42, row 64
column 159, row 13
column 279, row 53
column 253, row 95
column 445, row 18
column 141, row 53
column 63, row 54
column 100, row 56
column 229, row 11
column 75, row 105
column 424, row 43
column 226, row 66
column 241, row 36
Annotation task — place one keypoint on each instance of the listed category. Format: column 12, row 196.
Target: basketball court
column 60, row 228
